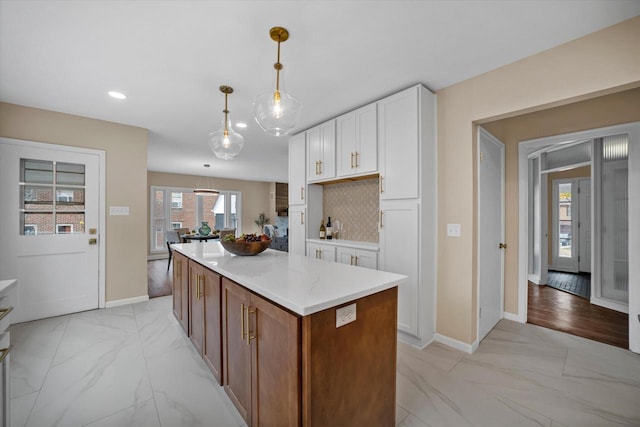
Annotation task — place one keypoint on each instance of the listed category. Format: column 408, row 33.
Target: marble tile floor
column 134, row 366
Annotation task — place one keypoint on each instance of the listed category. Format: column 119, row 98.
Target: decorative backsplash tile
column 354, row 205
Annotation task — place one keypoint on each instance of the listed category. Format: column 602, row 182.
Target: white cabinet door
column 358, row 257
column 321, row 152
column 319, row 251
column 399, row 148
column 399, row 246
column 297, row 176
column 357, row 142
column 297, row 229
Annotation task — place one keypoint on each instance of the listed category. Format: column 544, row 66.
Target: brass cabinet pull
column 301, row 218
column 357, row 154
column 4, row 353
column 249, row 335
column 242, row 333
column 201, row 288
column 4, row 312
column 351, row 262
column 176, row 268
column 381, row 213
column 381, row 190
column 352, row 160
column 301, row 193
column 319, row 167
column 93, row 241
column 502, row 246
column 197, row 287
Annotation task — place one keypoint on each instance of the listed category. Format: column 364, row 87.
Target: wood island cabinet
column 181, row 289
column 261, row 345
column 205, row 320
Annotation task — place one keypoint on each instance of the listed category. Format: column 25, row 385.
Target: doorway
column 51, row 222
column 598, row 140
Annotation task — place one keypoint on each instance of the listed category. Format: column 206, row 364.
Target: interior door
column 490, row 232
column 49, row 223
column 584, row 225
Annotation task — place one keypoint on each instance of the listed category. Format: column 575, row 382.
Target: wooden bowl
column 246, row 248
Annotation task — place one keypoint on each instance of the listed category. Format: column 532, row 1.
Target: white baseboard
column 125, row 301
column 512, row 316
column 413, row 341
column 458, row 345
column 154, row 257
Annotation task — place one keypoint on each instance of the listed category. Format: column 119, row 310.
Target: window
column 176, row 200
column 220, row 211
column 51, row 197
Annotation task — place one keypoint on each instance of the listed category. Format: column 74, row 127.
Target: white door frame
column 528, row 146
column 496, row 141
column 101, row 201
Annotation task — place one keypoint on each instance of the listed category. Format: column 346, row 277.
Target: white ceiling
column 170, row 57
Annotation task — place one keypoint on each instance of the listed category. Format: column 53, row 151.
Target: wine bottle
column 323, row 230
column 329, row 230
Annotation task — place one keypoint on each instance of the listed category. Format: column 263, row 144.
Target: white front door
column 490, row 232
column 584, row 225
column 566, row 240
column 50, row 223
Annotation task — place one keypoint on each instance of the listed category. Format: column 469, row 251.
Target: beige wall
column 601, row 63
column 255, row 194
column 126, row 181
column 583, row 172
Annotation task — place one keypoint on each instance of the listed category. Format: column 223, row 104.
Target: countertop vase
column 204, row 230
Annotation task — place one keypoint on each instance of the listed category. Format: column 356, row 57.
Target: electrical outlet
column 453, row 230
column 345, row 315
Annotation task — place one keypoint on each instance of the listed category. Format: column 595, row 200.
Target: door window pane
column 158, row 220
column 46, row 207
column 565, row 238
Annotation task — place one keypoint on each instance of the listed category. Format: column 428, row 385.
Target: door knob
column 502, row 246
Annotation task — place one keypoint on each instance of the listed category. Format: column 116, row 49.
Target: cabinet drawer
column 5, row 318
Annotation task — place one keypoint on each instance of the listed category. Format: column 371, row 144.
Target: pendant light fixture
column 209, row 191
column 226, row 143
column 277, row 111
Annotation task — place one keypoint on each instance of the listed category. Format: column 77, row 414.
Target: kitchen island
column 293, row 340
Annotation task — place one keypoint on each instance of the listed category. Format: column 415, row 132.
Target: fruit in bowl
column 246, row 244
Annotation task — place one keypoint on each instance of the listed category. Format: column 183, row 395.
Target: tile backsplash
column 355, row 205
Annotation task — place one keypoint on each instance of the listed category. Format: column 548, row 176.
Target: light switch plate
column 345, row 315
column 453, row 230
column 118, row 210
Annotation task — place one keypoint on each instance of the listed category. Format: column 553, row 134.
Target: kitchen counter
column 301, row 284
column 347, row 243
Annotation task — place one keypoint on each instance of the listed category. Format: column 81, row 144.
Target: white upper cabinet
column 321, row 152
column 398, row 135
column 357, row 142
column 297, row 176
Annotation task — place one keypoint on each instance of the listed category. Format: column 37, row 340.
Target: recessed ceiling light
column 241, row 125
column 117, row 95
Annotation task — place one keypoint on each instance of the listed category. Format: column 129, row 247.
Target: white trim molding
column 511, row 316
column 125, row 301
column 458, row 345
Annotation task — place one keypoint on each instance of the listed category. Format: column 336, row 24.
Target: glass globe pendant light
column 225, row 143
column 277, row 111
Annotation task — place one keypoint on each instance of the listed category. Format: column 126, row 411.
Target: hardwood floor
column 568, row 313
column 160, row 280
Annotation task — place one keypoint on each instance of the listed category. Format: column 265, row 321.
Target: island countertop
column 303, row 285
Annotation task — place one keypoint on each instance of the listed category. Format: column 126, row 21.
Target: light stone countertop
column 301, row 284
column 370, row 246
